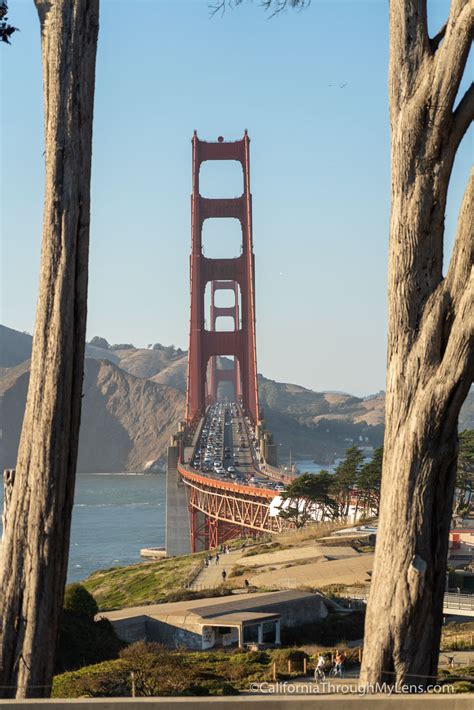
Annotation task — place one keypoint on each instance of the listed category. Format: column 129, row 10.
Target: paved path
column 317, row 574
column 211, row 576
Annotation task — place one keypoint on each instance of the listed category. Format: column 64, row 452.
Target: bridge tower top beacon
column 237, row 274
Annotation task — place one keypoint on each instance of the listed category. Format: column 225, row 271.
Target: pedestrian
column 224, row 575
column 210, row 558
column 247, row 584
column 217, row 558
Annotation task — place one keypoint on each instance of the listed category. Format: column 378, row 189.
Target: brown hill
column 126, row 421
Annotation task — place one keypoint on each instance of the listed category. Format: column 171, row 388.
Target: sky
column 311, row 88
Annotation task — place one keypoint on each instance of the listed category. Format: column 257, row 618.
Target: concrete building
column 461, row 546
column 237, row 620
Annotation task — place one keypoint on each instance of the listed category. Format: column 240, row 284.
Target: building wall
column 297, row 612
column 133, row 629
column 188, row 635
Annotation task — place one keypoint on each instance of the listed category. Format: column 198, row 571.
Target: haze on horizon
column 315, row 105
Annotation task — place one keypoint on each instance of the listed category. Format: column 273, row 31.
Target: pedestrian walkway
column 211, row 576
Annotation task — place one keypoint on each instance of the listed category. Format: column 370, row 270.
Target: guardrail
column 452, row 600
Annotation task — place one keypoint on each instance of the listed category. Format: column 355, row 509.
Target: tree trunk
column 36, row 541
column 430, row 346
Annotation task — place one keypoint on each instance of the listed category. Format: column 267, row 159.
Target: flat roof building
column 237, row 619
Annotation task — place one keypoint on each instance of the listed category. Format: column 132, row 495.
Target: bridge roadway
column 224, row 480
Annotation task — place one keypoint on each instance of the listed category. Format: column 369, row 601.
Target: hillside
column 133, row 398
column 126, row 421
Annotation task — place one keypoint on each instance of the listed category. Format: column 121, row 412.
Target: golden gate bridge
column 222, row 475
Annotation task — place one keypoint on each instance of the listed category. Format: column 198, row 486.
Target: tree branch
column 462, row 118
column 275, row 6
column 436, row 40
column 409, row 45
column 451, row 58
column 462, row 257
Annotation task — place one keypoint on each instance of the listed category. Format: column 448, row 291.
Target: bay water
column 114, row 515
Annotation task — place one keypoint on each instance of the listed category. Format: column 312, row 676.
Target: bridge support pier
column 178, row 533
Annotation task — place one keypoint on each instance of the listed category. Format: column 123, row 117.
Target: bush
column 83, row 642
column 101, row 680
column 154, row 668
column 78, row 600
column 281, row 657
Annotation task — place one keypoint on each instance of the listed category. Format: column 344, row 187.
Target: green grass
column 145, row 583
column 200, row 673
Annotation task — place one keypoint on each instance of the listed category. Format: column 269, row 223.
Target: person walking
column 224, row 575
column 217, row 558
column 247, row 584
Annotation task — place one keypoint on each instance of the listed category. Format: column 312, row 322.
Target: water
column 114, row 515
column 309, row 466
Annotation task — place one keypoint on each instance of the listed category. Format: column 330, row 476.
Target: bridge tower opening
column 237, row 274
column 216, row 375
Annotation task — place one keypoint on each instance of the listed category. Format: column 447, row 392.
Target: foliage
column 108, row 679
column 331, row 495
column 154, row 669
column 78, row 600
column 6, row 30
column 345, row 479
column 369, row 481
column 122, row 346
column 281, row 656
column 99, row 342
column 155, row 673
column 465, row 470
column 83, row 641
column 305, row 495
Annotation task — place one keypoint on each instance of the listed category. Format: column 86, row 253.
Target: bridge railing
column 276, row 474
column 452, row 600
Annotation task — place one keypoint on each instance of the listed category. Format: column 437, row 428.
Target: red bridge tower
column 234, row 274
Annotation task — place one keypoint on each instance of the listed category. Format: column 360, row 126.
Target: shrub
column 101, row 680
column 281, row 657
column 83, row 642
column 78, row 600
column 154, row 668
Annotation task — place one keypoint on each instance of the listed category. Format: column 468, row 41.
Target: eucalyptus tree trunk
column 430, row 345
column 36, row 539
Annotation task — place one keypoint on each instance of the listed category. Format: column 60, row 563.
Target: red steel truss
column 241, row 343
column 230, row 510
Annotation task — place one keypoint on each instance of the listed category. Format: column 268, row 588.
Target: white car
column 230, row 469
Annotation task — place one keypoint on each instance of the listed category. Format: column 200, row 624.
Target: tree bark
column 430, row 346
column 36, row 539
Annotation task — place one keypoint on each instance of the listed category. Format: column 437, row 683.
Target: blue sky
column 319, row 175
